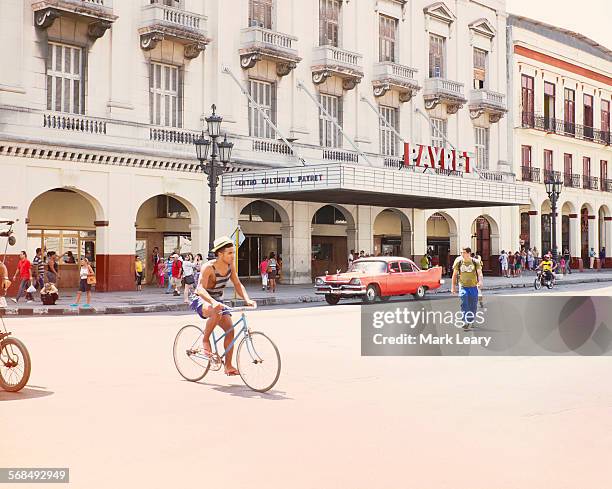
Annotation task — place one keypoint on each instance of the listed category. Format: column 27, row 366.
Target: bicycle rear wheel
column 259, row 362
column 188, row 353
column 15, row 365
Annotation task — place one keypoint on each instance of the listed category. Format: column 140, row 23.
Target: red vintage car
column 379, row 277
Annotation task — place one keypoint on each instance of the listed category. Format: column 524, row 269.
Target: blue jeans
column 168, row 278
column 469, row 302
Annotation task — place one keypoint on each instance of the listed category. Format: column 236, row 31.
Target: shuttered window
column 264, row 94
column 436, row 56
column 481, row 136
column 388, row 139
column 387, row 38
column 548, row 162
column 260, row 13
column 438, row 132
column 480, row 68
column 330, row 135
column 526, row 156
column 165, row 95
column 605, row 116
column 329, row 22
column 65, row 91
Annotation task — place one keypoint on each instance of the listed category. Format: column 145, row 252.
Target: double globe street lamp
column 553, row 186
column 214, row 157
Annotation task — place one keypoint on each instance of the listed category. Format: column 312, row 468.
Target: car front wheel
column 332, row 300
column 371, row 294
column 420, row 292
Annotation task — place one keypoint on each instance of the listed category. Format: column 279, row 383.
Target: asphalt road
column 106, row 400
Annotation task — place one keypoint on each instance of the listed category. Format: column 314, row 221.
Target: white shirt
column 187, row 268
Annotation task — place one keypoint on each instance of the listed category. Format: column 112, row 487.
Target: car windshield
column 369, row 267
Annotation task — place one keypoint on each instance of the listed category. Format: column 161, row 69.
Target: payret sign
column 435, row 157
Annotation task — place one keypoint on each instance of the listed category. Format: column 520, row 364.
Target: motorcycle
column 542, row 280
column 15, row 363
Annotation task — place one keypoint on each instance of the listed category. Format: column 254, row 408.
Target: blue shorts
column 197, row 304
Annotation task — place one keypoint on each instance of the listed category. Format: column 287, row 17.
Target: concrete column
column 593, row 239
column 558, row 231
column 574, row 241
column 406, row 242
column 365, row 229
column 419, row 229
column 535, row 230
column 607, row 242
column 297, row 258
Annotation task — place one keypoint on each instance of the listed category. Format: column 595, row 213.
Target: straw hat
column 221, row 242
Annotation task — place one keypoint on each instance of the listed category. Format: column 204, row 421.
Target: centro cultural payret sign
column 286, row 180
column 436, row 157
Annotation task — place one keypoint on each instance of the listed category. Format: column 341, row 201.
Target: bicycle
column 257, row 357
column 15, row 364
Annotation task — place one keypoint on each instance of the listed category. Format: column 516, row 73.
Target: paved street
column 105, row 400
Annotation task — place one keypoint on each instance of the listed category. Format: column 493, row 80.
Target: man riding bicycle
column 214, row 276
column 547, row 265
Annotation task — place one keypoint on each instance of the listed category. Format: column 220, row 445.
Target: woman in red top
column 24, row 270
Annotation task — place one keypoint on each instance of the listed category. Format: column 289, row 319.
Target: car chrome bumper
column 347, row 290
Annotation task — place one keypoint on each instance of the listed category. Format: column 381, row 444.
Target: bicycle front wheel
column 259, row 362
column 188, row 352
column 15, row 365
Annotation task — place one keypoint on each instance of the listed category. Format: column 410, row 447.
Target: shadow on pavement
column 241, row 390
column 31, row 392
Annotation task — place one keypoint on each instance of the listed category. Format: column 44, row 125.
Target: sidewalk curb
column 265, row 301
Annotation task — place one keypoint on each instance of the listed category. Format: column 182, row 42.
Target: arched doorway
column 441, row 239
column 392, row 234
column 546, row 227
column 164, row 222
column 329, row 240
column 485, row 241
column 261, row 224
column 584, row 235
column 63, row 221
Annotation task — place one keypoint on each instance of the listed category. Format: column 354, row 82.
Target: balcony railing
column 606, row 185
column 257, row 43
column 589, row 182
column 177, row 17
column 442, row 86
column 331, row 55
column 266, row 37
column 551, row 175
column 102, row 3
column 564, row 128
column 269, row 146
column 488, row 98
column 388, row 69
column 530, row 174
column 339, row 155
column 571, row 180
column 76, row 123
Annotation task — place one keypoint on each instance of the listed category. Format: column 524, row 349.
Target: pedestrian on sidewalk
column 511, row 263
column 156, row 261
column 52, row 268
column 562, row 265
column 139, row 269
column 591, row 258
column 279, row 273
column 161, row 273
column 467, row 274
column 602, row 257
column 503, row 263
column 169, row 263
column 536, row 258
column 175, row 281
column 188, row 271
column 38, row 269
column 272, row 271
column 263, row 271
column 529, row 259
column 568, row 259
column 85, row 271
column 351, row 259
column 197, row 267
column 24, row 271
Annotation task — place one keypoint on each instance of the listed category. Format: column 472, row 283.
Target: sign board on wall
column 436, row 157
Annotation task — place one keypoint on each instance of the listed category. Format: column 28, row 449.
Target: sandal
column 231, row 371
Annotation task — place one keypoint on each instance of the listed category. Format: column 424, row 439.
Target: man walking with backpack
column 467, row 272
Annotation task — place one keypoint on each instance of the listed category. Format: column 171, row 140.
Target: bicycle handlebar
column 242, row 308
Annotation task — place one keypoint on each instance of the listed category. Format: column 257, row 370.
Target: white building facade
column 561, row 97
column 377, row 125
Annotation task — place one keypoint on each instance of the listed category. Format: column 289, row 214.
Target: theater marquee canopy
column 344, row 183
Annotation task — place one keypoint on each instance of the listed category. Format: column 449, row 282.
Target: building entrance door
column 253, row 250
column 329, row 254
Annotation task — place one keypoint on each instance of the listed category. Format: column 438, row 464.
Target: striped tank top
column 216, row 292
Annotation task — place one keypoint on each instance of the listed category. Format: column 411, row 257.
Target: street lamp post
column 553, row 189
column 220, row 152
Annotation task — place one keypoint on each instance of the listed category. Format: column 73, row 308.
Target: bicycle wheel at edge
column 250, row 370
column 12, row 348
column 191, row 368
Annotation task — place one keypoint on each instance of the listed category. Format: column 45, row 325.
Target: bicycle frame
column 244, row 330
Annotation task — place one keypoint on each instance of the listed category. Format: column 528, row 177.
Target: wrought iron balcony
column 589, row 182
column 487, row 101
column 448, row 92
column 330, row 60
column 530, row 174
column 551, row 175
column 257, row 43
column 161, row 22
column 606, row 185
column 571, row 180
column 97, row 13
column 393, row 76
column 564, row 128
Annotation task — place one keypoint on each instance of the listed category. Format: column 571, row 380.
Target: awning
column 345, row 183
